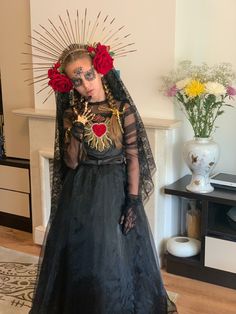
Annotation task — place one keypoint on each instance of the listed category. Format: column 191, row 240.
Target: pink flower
column 231, row 91
column 172, row 91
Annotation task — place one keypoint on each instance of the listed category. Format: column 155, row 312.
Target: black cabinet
column 216, row 262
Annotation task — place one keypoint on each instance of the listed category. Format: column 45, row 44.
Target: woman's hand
column 129, row 216
column 128, row 220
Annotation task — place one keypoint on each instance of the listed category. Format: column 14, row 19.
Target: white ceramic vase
column 183, row 246
column 201, row 155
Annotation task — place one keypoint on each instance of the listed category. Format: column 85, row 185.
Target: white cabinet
column 220, row 254
column 15, row 209
column 14, row 178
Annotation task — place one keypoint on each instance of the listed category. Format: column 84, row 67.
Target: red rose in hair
column 54, row 70
column 102, row 60
column 60, row 83
column 91, row 49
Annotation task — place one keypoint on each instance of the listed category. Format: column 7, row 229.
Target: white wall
column 152, row 25
column 201, row 31
column 206, row 32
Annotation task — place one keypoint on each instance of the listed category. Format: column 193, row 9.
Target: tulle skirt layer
column 88, row 265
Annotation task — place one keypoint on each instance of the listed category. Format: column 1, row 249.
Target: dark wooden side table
column 216, row 262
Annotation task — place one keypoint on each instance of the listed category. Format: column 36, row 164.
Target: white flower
column 182, row 83
column 215, row 88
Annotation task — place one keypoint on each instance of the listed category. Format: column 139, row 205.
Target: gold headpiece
column 71, row 35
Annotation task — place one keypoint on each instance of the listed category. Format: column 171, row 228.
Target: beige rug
column 173, row 296
column 17, row 279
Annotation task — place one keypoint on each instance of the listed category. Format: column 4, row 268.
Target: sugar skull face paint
column 78, row 71
column 89, row 75
column 85, row 79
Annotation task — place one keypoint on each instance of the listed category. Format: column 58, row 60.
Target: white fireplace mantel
column 152, row 123
column 161, row 134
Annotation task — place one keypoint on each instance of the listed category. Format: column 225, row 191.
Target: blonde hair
column 115, row 129
column 73, row 53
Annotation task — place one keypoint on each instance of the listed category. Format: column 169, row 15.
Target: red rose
column 53, row 71
column 57, row 65
column 102, row 61
column 90, row 49
column 60, row 83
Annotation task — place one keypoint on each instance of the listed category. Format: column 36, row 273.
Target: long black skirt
column 89, row 266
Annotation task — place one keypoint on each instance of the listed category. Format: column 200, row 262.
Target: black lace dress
column 89, row 265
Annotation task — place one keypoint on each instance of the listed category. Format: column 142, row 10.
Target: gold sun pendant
column 97, row 135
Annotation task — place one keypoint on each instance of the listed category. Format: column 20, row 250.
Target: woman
column 98, row 254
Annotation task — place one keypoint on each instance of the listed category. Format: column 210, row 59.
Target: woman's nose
column 86, row 84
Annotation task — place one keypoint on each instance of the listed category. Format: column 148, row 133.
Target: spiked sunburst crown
column 51, row 45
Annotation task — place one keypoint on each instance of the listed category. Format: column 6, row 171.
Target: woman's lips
column 89, row 92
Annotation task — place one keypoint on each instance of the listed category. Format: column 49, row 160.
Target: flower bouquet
column 202, row 93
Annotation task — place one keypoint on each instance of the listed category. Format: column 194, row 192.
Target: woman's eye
column 89, row 75
column 77, row 82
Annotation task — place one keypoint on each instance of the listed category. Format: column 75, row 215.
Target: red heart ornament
column 99, row 129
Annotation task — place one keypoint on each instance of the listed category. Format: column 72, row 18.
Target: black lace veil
column 146, row 160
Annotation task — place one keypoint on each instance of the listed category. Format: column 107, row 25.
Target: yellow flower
column 194, row 88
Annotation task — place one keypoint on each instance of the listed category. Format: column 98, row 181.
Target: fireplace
column 41, row 131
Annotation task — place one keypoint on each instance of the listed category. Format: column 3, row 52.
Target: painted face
column 85, row 79
column 79, row 75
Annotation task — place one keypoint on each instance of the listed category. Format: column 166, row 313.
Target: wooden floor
column 194, row 297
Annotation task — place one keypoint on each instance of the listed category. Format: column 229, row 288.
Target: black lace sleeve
column 146, row 164
column 131, row 150
column 73, row 137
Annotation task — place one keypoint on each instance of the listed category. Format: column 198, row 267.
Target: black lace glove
column 77, row 130
column 129, row 216
column 78, row 124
